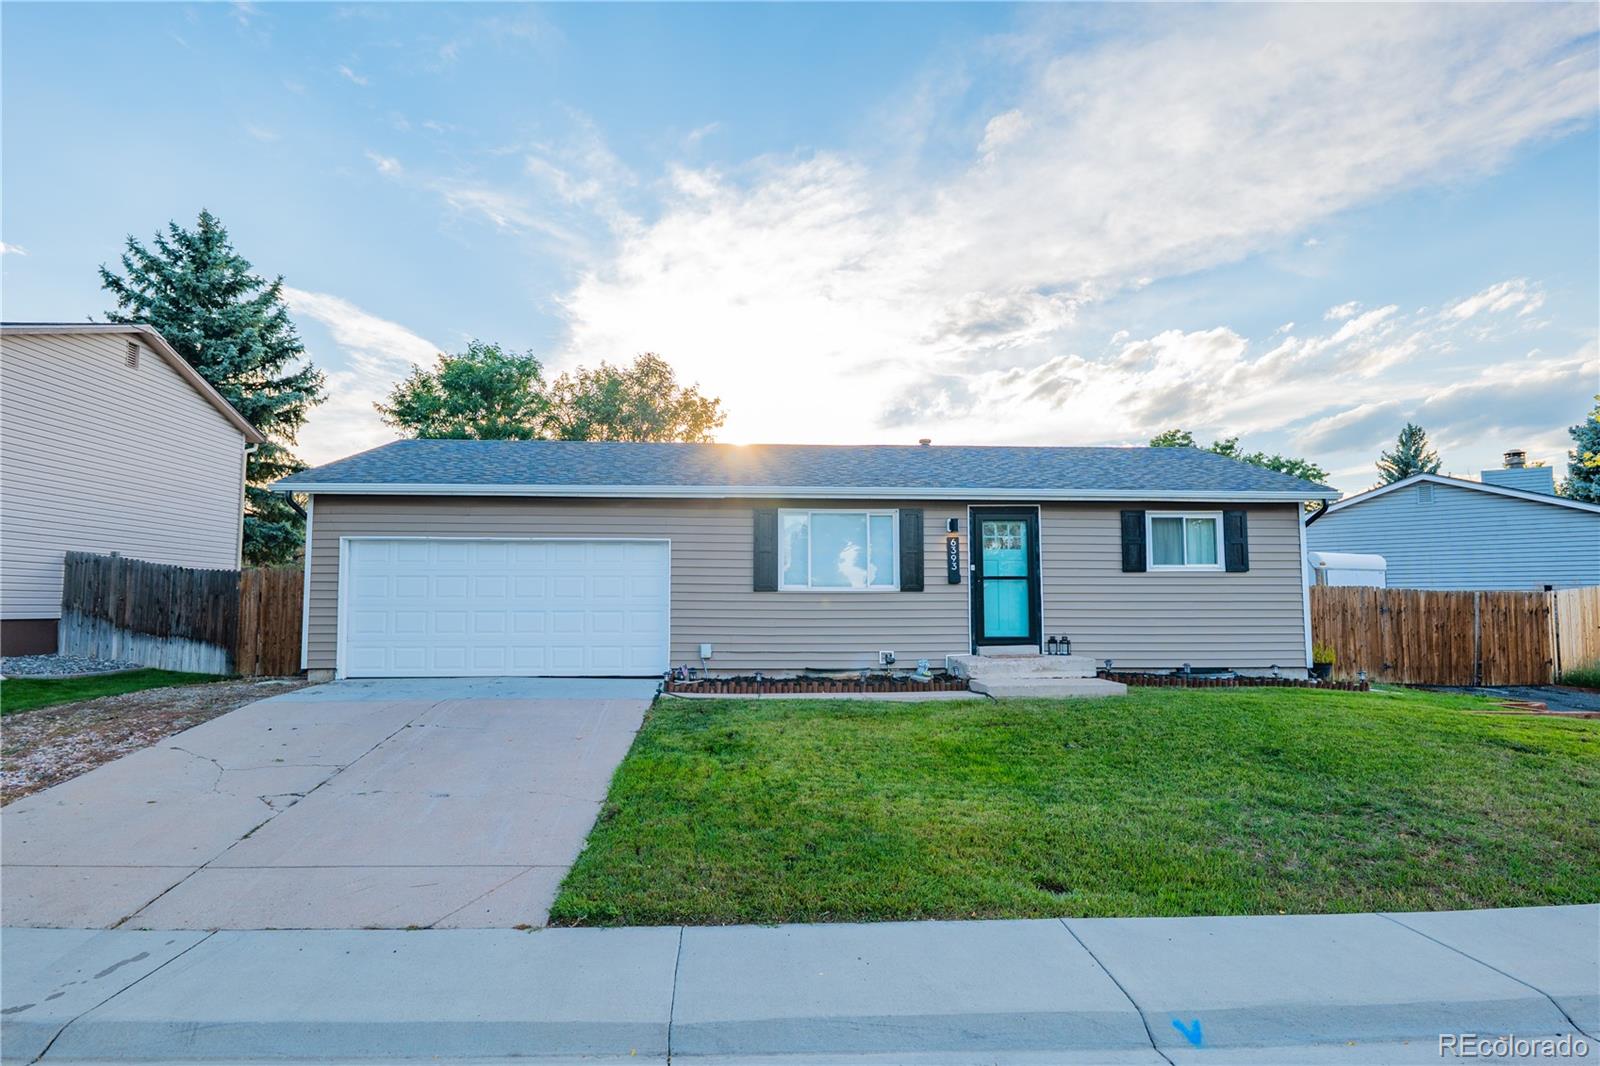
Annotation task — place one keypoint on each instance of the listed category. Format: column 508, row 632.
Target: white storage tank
column 1347, row 568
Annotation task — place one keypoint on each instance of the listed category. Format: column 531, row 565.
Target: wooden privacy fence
column 181, row 618
column 1421, row 637
column 1577, row 622
column 270, row 602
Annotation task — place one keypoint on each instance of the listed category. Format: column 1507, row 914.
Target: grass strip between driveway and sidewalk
column 31, row 693
column 1165, row 802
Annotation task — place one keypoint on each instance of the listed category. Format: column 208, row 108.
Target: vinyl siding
column 1250, row 620
column 96, row 456
column 1467, row 539
column 1163, row 619
column 712, row 561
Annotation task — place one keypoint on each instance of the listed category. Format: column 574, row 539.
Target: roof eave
column 794, row 492
column 1476, row 486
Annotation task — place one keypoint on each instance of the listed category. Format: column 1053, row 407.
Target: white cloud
column 1517, row 294
column 376, row 354
column 700, row 133
column 350, row 75
column 1342, row 312
column 387, row 165
column 1318, row 395
column 12, row 249
column 260, row 133
column 1001, row 131
column 812, row 294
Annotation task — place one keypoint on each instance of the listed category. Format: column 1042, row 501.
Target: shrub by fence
column 181, row 618
column 1422, row 637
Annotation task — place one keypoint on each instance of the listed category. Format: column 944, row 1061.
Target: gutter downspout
column 305, row 590
column 244, row 483
column 1305, row 587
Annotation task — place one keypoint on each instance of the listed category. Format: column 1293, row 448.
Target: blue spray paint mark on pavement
column 1191, row 1032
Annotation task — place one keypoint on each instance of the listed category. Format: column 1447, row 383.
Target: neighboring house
column 109, row 442
column 437, row 557
column 1508, row 531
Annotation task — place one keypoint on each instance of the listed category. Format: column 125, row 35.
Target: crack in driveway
column 275, row 810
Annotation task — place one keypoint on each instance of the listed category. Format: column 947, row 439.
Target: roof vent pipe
column 925, row 441
column 1516, row 459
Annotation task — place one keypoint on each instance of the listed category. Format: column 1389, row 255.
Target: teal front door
column 1005, row 576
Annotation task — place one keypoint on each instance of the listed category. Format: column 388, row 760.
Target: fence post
column 1477, row 638
column 1555, row 635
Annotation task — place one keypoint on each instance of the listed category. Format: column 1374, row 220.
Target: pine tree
column 1411, row 455
column 233, row 327
column 1583, row 461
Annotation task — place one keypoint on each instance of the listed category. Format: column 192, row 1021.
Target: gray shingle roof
column 564, row 466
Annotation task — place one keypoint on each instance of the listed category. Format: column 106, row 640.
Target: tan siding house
column 463, row 557
column 109, row 442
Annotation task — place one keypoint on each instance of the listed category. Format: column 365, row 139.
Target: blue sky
column 977, row 223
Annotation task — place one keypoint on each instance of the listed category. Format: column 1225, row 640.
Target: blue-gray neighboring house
column 1508, row 531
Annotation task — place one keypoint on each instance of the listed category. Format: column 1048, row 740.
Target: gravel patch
column 60, row 666
column 1558, row 698
column 54, row 744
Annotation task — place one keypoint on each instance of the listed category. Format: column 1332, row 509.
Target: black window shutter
column 910, row 549
column 766, row 554
column 1235, row 542
column 1133, row 556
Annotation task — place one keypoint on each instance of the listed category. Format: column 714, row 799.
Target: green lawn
column 31, row 693
column 1167, row 802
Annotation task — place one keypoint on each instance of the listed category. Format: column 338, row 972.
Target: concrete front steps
column 1017, row 676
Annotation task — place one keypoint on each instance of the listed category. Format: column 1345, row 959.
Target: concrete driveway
column 456, row 803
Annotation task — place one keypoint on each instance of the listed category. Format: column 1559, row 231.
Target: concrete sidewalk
column 1357, row 988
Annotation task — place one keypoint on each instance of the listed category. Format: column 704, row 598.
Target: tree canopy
column 642, row 402
column 233, row 327
column 486, row 393
column 1583, row 461
column 1229, row 446
column 1412, row 454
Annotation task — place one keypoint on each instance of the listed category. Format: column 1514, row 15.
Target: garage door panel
column 418, row 607
column 411, row 586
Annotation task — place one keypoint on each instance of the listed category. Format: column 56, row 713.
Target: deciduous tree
column 641, row 402
column 483, row 393
column 1229, row 446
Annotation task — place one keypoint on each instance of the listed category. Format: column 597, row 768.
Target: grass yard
column 31, row 693
column 1166, row 802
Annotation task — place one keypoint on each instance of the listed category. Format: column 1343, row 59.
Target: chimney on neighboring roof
column 925, row 441
column 1517, row 474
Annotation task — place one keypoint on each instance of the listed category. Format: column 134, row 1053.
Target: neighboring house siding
column 1249, row 620
column 101, row 457
column 1162, row 619
column 1467, row 539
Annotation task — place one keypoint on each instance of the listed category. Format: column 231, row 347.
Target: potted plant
column 1322, row 659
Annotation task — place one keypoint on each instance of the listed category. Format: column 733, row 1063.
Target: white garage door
column 465, row 608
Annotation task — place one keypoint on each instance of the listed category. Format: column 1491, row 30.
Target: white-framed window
column 1184, row 540
column 847, row 551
